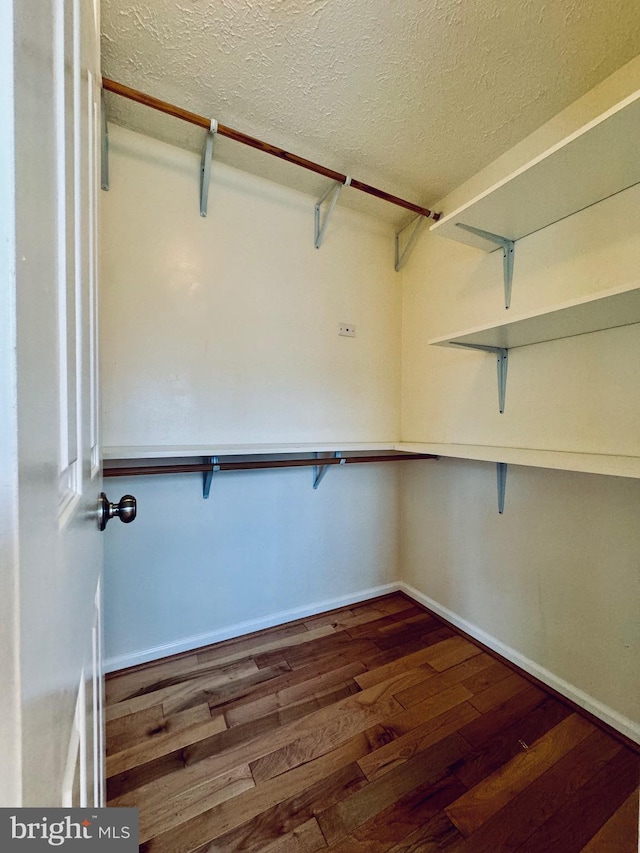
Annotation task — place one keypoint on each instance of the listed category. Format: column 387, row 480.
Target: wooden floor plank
column 130, row 729
column 120, row 685
column 488, row 677
column 436, row 835
column 325, row 659
column 405, row 816
column 226, row 747
column 442, row 680
column 280, row 703
column 450, row 652
column 496, row 790
column 343, row 819
column 142, row 727
column 512, row 825
column 509, row 742
column 394, row 603
column 577, row 821
column 374, row 728
column 407, row 619
column 198, row 672
column 250, row 649
column 399, row 633
column 361, row 616
column 321, row 741
column 190, row 692
column 397, row 651
column 181, row 781
column 289, row 815
column 130, row 769
column 290, row 686
column 503, row 716
column 161, row 808
column 390, row 755
column 496, row 694
column 333, row 618
column 329, row 643
column 230, row 815
column 383, row 673
column 370, row 629
column 220, row 696
column 620, row 832
column 149, row 750
column 251, row 644
column 307, row 838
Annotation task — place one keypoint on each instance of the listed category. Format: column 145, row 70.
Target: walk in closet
column 501, row 362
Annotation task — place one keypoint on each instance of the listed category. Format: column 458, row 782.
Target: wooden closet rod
column 238, row 136
column 201, row 467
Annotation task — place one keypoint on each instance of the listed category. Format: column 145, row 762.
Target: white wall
column 225, row 330
column 265, row 548
column 554, row 582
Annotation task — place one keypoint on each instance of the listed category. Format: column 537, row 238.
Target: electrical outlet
column 347, row 329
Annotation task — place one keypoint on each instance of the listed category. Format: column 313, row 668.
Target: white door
column 50, row 477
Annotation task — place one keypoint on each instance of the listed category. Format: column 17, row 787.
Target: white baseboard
column 188, row 644
column 623, row 724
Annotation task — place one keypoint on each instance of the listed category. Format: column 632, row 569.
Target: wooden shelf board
column 610, row 309
column 180, row 451
column 597, row 161
column 587, row 463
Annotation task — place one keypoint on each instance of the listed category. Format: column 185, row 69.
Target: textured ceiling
column 412, row 96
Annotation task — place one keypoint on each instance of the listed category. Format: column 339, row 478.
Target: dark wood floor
column 372, row 728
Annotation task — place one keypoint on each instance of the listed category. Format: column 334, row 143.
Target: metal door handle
column 125, row 510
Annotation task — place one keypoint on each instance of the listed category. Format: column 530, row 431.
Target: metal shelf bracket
column 402, row 255
column 501, row 471
column 508, row 254
column 104, row 148
column 205, row 167
column 207, row 477
column 502, row 354
column 331, row 198
column 320, row 470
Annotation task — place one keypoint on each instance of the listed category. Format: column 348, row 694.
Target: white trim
column 187, row 644
column 623, row 724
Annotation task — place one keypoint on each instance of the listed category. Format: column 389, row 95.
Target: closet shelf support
column 508, row 254
column 502, row 354
column 331, row 199
column 402, row 255
column 207, row 477
column 205, row 167
column 320, row 470
column 501, row 471
column 104, row 146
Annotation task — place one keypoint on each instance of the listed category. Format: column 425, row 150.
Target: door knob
column 125, row 510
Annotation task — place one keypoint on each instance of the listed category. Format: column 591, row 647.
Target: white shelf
column 587, row 463
column 595, row 162
column 609, row 309
column 164, row 451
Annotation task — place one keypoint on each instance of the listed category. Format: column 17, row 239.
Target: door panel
column 50, row 421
